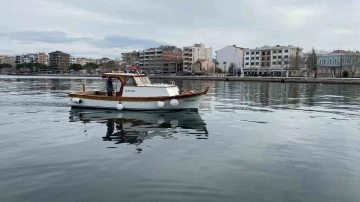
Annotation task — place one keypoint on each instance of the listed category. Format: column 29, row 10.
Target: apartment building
column 269, row 60
column 130, row 58
column 165, row 59
column 72, row 60
column 27, row 58
column 333, row 64
column 59, row 61
column 4, row 59
column 191, row 54
column 230, row 55
column 43, row 58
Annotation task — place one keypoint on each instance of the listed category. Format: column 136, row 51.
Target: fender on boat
column 76, row 100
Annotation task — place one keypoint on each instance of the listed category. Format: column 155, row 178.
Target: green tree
column 75, row 67
column 311, row 63
column 218, row 70
column 5, row 65
column 355, row 63
column 231, row 68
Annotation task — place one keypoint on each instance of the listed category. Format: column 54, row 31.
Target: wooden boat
column 136, row 92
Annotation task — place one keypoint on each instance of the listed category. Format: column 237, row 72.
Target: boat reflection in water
column 132, row 127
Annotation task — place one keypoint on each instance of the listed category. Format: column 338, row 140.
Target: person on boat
column 109, row 87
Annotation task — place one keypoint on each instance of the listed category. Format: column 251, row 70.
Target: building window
column 286, row 51
column 257, row 63
column 279, row 62
column 268, row 58
column 247, row 58
column 280, row 51
column 286, row 56
column 268, row 53
column 257, row 53
column 263, row 53
column 252, row 63
column 263, row 58
column 279, row 56
column 262, row 63
column 324, row 62
column 274, row 51
column 252, row 53
column 268, row 64
column 274, row 63
column 343, row 60
column 257, row 58
column 335, row 61
column 320, row 61
column 246, row 63
column 252, row 58
column 274, row 57
column 348, row 61
column 286, row 62
column 247, row 53
column 330, row 61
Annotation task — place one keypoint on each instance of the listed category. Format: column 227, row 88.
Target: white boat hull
column 184, row 103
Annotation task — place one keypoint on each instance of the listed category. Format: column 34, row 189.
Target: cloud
column 57, row 37
column 108, row 26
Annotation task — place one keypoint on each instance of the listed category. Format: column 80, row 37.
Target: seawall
column 266, row 79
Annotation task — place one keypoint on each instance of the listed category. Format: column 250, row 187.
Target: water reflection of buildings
column 134, row 127
column 235, row 94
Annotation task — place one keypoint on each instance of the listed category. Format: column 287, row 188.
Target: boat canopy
column 129, row 79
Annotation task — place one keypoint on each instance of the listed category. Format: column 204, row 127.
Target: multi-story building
column 131, row 58
column 8, row 60
column 230, row 55
column 73, row 60
column 43, row 58
column 27, row 58
column 59, row 61
column 164, row 59
column 81, row 61
column 269, row 60
column 191, row 54
column 102, row 61
column 336, row 62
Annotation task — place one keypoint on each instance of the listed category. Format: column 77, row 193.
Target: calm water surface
column 249, row 142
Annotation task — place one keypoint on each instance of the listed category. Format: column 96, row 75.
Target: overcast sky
column 97, row 28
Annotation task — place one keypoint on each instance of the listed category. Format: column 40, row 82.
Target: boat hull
column 192, row 102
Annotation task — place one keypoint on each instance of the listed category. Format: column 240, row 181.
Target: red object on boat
column 134, row 67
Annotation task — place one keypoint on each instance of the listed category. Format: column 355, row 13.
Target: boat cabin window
column 142, row 80
column 129, row 80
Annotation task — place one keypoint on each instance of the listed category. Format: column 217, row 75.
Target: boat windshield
column 142, row 80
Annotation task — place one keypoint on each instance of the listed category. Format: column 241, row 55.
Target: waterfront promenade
column 232, row 78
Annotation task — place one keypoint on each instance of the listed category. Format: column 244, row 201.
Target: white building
column 230, row 55
column 191, row 54
column 27, row 58
column 72, row 60
column 269, row 60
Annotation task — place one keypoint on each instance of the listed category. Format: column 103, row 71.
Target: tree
column 231, row 68
column 355, row 63
column 311, row 63
column 92, row 66
column 218, row 70
column 296, row 62
column 75, row 67
column 5, row 65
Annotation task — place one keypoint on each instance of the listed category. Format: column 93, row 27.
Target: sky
column 106, row 28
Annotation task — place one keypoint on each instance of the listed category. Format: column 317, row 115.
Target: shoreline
column 227, row 78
